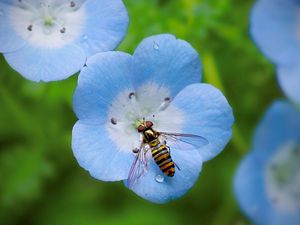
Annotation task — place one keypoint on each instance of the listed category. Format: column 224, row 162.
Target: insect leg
column 145, row 158
column 177, row 166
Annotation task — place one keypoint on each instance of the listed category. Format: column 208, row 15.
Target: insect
column 156, row 141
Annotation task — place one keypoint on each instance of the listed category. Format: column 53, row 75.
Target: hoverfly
column 152, row 140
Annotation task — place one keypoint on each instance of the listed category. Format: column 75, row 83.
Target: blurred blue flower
column 159, row 83
column 275, row 27
column 267, row 183
column 50, row 40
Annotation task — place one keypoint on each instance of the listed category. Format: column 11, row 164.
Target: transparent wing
column 139, row 166
column 190, row 140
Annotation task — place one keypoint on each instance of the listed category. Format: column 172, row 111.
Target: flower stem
column 16, row 110
column 211, row 71
column 229, row 207
column 212, row 76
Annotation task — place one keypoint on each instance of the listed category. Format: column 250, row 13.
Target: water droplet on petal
column 84, row 37
column 159, row 178
column 156, row 46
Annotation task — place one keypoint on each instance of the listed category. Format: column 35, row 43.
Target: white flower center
column 283, row 177
column 151, row 102
column 48, row 24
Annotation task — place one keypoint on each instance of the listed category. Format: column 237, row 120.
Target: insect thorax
column 150, row 136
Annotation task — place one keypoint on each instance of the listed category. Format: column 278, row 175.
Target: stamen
column 67, row 7
column 113, row 121
column 63, row 30
column 30, row 26
column 72, row 4
column 167, row 99
column 131, row 94
column 135, row 151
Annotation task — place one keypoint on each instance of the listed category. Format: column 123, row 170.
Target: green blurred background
column 40, row 180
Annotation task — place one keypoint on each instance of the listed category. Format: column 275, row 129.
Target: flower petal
column 250, row 191
column 98, row 154
column 275, row 29
column 105, row 27
column 289, row 80
column 168, row 61
column 286, row 219
column 279, row 218
column 46, row 64
column 281, row 124
column 147, row 187
column 104, row 77
column 9, row 39
column 208, row 114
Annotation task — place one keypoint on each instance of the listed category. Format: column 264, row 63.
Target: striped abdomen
column 163, row 159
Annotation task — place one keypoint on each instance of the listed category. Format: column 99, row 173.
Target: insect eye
column 149, row 124
column 140, row 128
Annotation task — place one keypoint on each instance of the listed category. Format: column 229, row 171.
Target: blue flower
column 267, row 183
column 159, row 83
column 275, row 27
column 50, row 40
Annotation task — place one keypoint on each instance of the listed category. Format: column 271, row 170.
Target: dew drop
column 156, row 46
column 84, row 37
column 159, row 178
